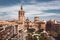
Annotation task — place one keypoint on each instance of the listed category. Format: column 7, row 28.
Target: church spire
column 21, row 7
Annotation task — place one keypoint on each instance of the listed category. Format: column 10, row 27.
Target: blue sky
column 44, row 9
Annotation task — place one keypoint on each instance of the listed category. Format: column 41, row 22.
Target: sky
column 44, row 9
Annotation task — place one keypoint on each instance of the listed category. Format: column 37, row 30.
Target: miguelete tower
column 21, row 15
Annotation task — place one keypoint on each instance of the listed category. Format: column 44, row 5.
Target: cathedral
column 36, row 24
column 8, row 27
column 25, row 23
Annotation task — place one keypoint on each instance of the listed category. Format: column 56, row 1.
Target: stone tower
column 21, row 15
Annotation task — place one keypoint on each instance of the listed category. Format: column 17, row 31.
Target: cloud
column 45, row 10
column 52, row 11
column 14, row 2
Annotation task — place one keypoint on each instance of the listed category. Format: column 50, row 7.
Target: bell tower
column 21, row 15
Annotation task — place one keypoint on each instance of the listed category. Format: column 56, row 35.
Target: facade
column 6, row 33
column 49, row 25
column 56, row 27
column 52, row 26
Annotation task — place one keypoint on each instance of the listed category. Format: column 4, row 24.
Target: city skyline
column 45, row 9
